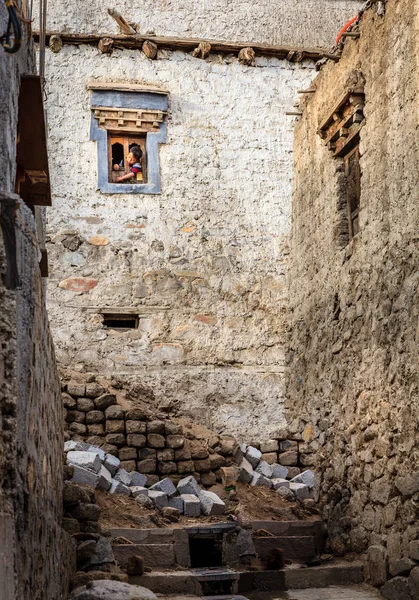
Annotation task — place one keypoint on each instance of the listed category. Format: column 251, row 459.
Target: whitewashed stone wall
column 205, row 260
column 308, row 22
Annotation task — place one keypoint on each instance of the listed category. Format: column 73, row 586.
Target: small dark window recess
column 119, row 147
column 336, row 308
column 120, row 322
column 206, row 550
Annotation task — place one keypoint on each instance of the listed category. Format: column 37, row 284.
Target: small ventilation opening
column 206, row 551
column 120, row 322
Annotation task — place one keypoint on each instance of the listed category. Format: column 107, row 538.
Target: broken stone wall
column 204, row 261
column 31, row 436
column 352, row 376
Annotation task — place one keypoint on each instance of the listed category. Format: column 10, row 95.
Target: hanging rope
column 11, row 40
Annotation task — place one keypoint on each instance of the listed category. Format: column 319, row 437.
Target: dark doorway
column 206, row 550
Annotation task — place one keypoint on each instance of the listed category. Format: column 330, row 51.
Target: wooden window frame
column 126, row 141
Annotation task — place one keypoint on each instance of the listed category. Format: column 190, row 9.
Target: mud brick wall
column 353, row 364
column 156, row 447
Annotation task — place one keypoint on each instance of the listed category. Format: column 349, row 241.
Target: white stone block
column 84, row 459
column 166, row 486
column 97, row 451
column 112, row 463
column 105, row 479
column 191, row 505
column 300, row 491
column 123, row 476
column 279, row 471
column 188, row 485
column 159, row 499
column 84, row 476
column 307, row 477
column 119, row 488
column 211, row 504
column 264, row 469
column 259, row 479
column 138, row 490
column 277, row 483
column 137, row 479
column 245, row 471
column 178, row 503
column 254, row 456
column 71, row 445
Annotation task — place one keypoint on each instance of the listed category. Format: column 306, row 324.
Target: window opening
column 120, row 322
column 119, row 148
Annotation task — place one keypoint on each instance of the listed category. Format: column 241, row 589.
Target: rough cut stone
column 84, row 476
column 300, row 490
column 137, row 479
column 306, row 477
column 377, row 565
column 105, row 479
column 414, row 550
column 137, row 490
column 171, row 428
column 101, row 454
column 245, row 471
column 396, row 589
column 103, row 553
column 270, row 457
column 85, row 404
column 135, row 427
column 414, row 582
column 208, row 479
column 167, row 468
column 112, row 463
column 408, row 484
column 116, row 439
column 166, row 486
column 259, row 479
column 76, row 389
column 114, row 412
column 72, row 445
column 159, row 499
column 277, row 483
column 102, row 590
column 191, row 505
column 269, row 446
column 137, row 440
column 156, row 427
column 171, row 513
column 185, row 466
column 155, row 440
column 127, row 453
column 69, row 402
column 128, row 465
column 104, row 401
column 279, row 472
column 288, row 458
column 147, row 465
column 402, row 566
column 189, row 485
column 85, row 511
column 211, row 504
column 167, row 454
column 264, row 469
column 253, row 455
column 177, row 502
column 286, row 493
column 122, row 476
column 119, row 488
column 175, row 441
column 85, row 460
column 95, row 417
column 144, row 501
column 117, row 426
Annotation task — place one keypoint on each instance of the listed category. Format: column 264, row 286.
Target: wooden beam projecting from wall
column 137, row 41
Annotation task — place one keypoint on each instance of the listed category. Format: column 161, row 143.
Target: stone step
column 154, row 555
column 190, row 581
column 297, row 548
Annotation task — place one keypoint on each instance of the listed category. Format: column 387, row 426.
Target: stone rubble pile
column 254, row 470
column 93, row 467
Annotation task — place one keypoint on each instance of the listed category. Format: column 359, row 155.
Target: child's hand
column 116, row 167
column 118, row 179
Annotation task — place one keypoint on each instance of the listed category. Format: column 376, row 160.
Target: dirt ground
column 250, row 504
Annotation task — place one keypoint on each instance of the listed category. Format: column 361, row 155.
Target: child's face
column 130, row 158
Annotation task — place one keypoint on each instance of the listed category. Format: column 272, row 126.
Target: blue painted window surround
column 132, row 100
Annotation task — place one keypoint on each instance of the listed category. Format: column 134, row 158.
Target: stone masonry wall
column 292, row 22
column 352, row 364
column 203, row 262
column 31, row 435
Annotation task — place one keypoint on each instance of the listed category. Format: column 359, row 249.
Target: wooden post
column 202, row 51
column 150, row 49
column 122, row 23
column 105, row 45
column 247, row 56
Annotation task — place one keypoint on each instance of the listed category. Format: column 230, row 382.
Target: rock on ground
column 211, row 504
column 115, row 590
